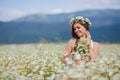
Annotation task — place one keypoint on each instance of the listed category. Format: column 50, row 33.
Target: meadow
column 43, row 61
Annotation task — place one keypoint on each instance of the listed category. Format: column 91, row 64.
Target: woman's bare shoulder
column 72, row 40
column 96, row 44
column 70, row 45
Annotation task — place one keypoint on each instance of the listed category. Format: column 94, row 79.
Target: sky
column 11, row 9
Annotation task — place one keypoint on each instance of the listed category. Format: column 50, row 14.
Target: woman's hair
column 83, row 21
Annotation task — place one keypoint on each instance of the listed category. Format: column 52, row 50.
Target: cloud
column 7, row 14
column 10, row 12
column 106, row 1
column 96, row 4
column 32, row 11
column 57, row 11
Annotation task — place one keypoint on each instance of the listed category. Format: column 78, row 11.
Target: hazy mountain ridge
column 33, row 28
column 94, row 15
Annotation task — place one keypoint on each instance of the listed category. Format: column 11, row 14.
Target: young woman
column 80, row 28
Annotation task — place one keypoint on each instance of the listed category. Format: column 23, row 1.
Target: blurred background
column 32, row 21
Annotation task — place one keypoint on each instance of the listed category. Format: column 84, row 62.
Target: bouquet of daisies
column 82, row 48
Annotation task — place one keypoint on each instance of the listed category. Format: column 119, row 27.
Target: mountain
column 96, row 16
column 55, row 27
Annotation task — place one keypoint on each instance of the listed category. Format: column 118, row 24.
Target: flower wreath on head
column 80, row 19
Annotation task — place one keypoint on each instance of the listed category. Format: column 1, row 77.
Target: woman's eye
column 78, row 27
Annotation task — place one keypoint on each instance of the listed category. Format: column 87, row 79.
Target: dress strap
column 92, row 44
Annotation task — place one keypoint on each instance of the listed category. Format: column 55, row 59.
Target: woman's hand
column 85, row 57
column 88, row 36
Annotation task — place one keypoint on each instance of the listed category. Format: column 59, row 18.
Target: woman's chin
column 80, row 35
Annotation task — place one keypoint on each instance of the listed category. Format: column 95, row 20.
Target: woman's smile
column 79, row 33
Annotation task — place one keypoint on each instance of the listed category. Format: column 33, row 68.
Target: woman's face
column 79, row 29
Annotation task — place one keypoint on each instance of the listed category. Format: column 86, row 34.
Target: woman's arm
column 68, row 51
column 94, row 52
